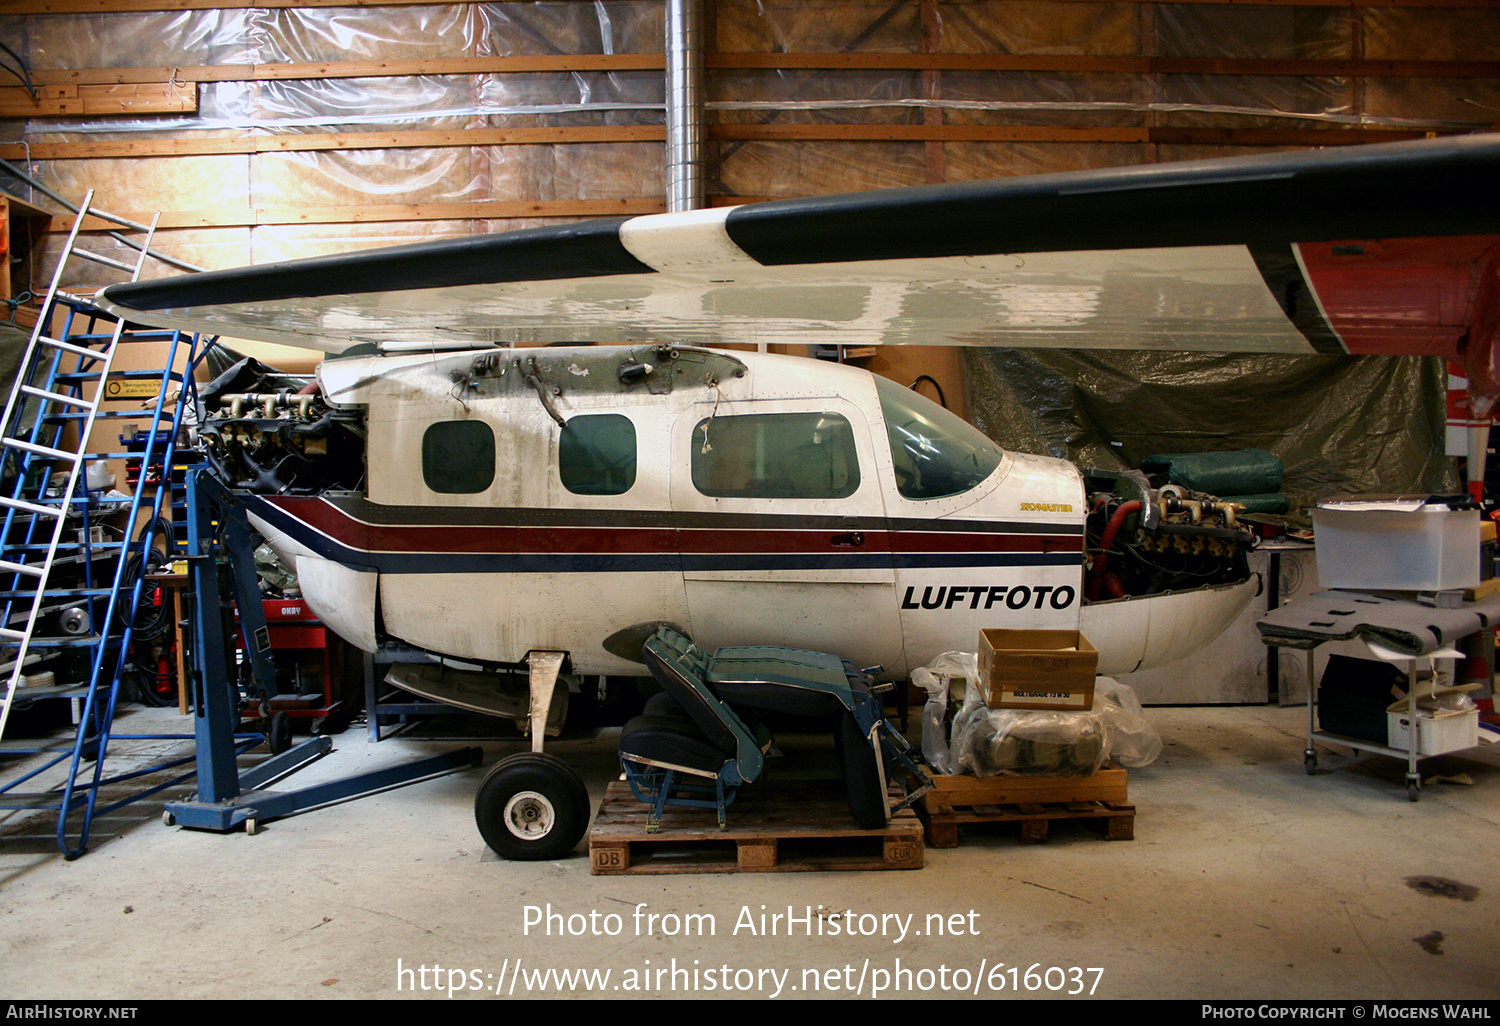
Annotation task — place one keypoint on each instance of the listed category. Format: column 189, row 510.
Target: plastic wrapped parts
column 937, row 679
column 1133, row 742
column 985, row 742
column 1027, row 742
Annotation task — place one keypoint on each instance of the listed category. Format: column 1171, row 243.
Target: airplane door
column 782, row 528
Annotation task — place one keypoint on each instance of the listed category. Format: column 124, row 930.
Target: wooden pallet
column 1033, row 802
column 772, row 829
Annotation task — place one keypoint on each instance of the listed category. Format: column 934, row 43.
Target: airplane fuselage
column 523, row 500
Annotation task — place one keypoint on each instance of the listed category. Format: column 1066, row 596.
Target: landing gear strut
column 533, row 805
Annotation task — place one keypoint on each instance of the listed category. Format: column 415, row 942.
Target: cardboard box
column 1396, row 544
column 1037, row 669
column 1444, row 732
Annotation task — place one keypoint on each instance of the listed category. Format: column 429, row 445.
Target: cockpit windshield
column 936, row 453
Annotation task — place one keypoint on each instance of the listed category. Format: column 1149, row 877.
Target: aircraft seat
column 701, row 726
column 783, row 680
column 697, row 754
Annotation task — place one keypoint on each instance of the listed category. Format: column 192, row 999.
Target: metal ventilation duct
column 685, row 187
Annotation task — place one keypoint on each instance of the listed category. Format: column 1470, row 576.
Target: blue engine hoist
column 227, row 797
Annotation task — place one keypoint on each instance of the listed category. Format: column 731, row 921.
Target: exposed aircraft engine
column 284, row 442
column 1142, row 541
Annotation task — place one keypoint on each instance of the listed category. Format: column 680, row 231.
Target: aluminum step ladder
column 68, row 599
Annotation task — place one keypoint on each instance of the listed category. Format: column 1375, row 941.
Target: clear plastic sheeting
column 1133, row 741
column 1339, row 424
column 936, row 678
column 313, row 35
column 818, row 26
column 1431, row 33
column 1073, row 29
column 788, row 168
column 621, row 26
column 1254, row 33
column 983, row 742
column 242, row 201
column 1026, row 742
column 153, row 39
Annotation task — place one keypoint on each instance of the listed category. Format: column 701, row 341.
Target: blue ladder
column 67, row 599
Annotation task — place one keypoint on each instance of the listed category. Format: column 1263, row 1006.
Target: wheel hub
column 529, row 815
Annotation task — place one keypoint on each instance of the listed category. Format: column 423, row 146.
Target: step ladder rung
column 141, row 375
column 63, row 418
column 77, row 402
column 60, row 596
column 41, row 450
column 76, row 350
column 61, row 547
column 8, row 634
column 29, row 569
column 23, row 506
column 118, row 265
column 60, row 640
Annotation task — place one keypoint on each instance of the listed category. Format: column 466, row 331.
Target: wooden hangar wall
column 264, row 131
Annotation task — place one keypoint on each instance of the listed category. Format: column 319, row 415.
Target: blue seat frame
column 701, row 758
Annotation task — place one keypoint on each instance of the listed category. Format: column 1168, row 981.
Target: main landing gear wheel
column 532, row 806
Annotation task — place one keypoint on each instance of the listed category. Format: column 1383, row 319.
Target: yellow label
column 1047, row 507
column 124, row 388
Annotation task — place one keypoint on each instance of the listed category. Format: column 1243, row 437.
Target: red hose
column 1107, row 541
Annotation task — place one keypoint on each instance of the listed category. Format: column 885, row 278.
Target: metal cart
column 1309, row 623
column 1412, row 754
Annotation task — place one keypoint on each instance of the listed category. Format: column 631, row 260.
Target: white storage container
column 1396, row 545
column 1444, row 732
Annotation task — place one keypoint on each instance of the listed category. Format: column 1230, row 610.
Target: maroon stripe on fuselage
column 327, row 518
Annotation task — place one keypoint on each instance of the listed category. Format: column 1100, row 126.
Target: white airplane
column 450, row 485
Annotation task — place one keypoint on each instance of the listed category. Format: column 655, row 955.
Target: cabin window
column 596, row 454
column 458, row 457
column 935, row 453
column 775, row 456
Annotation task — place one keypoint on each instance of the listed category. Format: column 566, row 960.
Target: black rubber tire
column 860, row 763
column 279, row 733
column 550, row 811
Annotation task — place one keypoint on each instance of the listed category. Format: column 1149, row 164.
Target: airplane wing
column 1391, row 248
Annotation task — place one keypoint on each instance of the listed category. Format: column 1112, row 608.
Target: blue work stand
column 228, row 798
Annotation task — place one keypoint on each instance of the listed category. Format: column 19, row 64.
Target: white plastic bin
column 1396, row 545
column 1444, row 732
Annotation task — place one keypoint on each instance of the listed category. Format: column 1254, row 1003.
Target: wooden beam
column 1102, row 65
column 933, row 132
column 1012, row 133
column 229, row 146
column 376, row 214
column 1282, row 136
column 928, row 62
column 923, row 133
column 521, row 64
column 76, row 100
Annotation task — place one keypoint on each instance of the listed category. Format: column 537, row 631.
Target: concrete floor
column 1247, row 879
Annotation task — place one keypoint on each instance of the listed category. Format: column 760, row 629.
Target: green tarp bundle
column 1242, row 472
column 1250, row 477
column 1263, row 502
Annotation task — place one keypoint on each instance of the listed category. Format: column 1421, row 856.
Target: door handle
column 853, row 539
